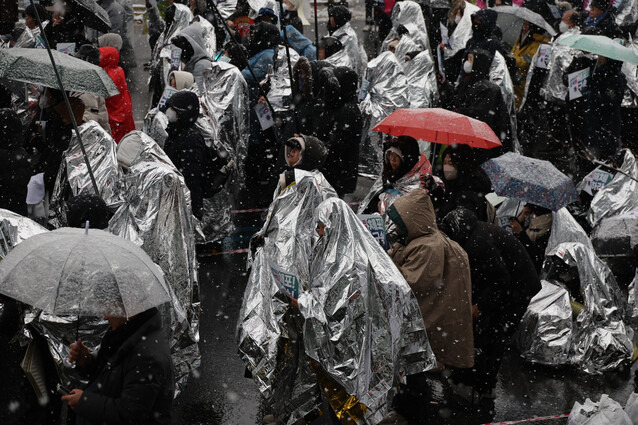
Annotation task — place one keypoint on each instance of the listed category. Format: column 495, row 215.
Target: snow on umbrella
column 72, row 272
column 601, row 45
column 527, row 15
column 92, row 14
column 530, row 180
column 438, row 125
column 34, row 66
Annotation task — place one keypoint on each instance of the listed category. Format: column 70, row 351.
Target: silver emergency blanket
column 630, row 71
column 268, row 328
column 601, row 340
column 508, row 208
column 560, row 58
column 227, row 8
column 100, row 149
column 619, row 196
column 341, row 58
column 627, row 12
column 155, row 123
column 362, row 321
column 348, row 37
column 545, row 334
column 386, row 89
column 29, row 37
column 226, row 99
column 631, row 315
column 157, row 217
column 15, row 228
column 420, row 73
column 500, row 76
column 566, row 229
column 616, row 236
column 208, row 34
column 280, row 87
column 408, row 13
column 24, row 100
column 462, row 33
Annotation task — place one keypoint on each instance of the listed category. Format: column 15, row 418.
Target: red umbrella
column 439, row 126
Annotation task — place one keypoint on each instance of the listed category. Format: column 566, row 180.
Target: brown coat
column 438, row 271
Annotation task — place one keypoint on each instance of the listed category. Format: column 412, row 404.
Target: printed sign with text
column 375, row 225
column 287, row 282
column 264, row 115
column 542, row 56
column 578, row 82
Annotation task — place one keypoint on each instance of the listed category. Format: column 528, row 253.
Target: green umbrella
column 601, row 45
column 34, row 66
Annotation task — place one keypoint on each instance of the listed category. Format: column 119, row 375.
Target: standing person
column 131, row 379
column 524, row 49
column 602, row 17
column 120, row 107
column 185, row 145
column 15, row 169
column 94, row 105
column 119, row 26
column 65, row 25
column 194, row 53
column 30, row 18
column 535, row 236
column 503, row 282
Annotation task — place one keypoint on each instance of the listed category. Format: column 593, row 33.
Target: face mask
column 171, row 115
column 457, row 19
column 286, row 7
column 563, row 27
column 467, row 67
column 449, row 171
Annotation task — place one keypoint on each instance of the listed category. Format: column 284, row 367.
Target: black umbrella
column 91, row 14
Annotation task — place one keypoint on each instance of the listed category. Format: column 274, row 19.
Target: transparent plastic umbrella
column 74, row 272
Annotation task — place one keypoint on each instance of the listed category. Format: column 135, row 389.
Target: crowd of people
column 244, row 104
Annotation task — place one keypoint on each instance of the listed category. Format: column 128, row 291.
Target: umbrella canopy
column 530, row 180
column 601, row 45
column 91, row 14
column 527, row 15
column 72, row 272
column 34, row 66
column 441, row 126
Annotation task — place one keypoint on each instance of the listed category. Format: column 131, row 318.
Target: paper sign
column 445, row 39
column 168, row 92
column 66, row 48
column 265, row 116
column 542, row 56
column 287, row 282
column 578, row 83
column 176, row 58
column 555, row 11
column 375, row 225
column 39, row 43
column 596, row 180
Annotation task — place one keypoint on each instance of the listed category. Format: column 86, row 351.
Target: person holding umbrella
column 65, row 26
column 526, row 46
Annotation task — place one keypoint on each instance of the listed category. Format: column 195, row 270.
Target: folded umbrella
column 441, row 126
column 530, row 180
column 527, row 15
column 76, row 272
column 601, row 45
column 34, row 66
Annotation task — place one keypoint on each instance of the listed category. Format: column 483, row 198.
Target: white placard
column 176, row 58
column 168, row 92
column 542, row 56
column 596, row 180
column 66, row 48
column 375, row 225
column 264, row 115
column 578, row 83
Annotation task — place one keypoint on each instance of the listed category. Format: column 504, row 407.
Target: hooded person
column 185, row 145
column 180, row 80
column 339, row 27
column 194, row 53
column 438, row 271
column 399, row 157
column 111, row 40
column 525, row 47
column 478, row 97
column 266, row 14
column 340, row 128
column 302, row 152
column 15, row 168
column 119, row 107
column 307, row 90
column 504, row 280
column 602, row 17
column 94, row 105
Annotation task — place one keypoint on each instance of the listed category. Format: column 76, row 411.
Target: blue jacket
column 300, row 43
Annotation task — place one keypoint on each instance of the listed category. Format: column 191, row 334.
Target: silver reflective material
column 601, row 339
column 386, row 88
column 155, row 123
column 408, row 13
column 100, row 149
column 348, row 37
column 27, row 38
column 462, row 33
column 280, row 87
column 619, row 196
column 545, row 334
column 227, row 8
column 226, row 99
column 421, row 77
column 627, row 13
column 566, row 229
column 630, row 72
column 208, row 34
column 341, row 58
column 616, row 236
column 268, row 328
column 500, row 76
column 560, row 58
column 15, row 228
column 362, row 322
column 156, row 216
column 632, row 302
column 508, row 208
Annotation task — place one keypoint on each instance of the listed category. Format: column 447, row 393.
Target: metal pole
column 66, row 99
column 316, row 27
column 292, row 89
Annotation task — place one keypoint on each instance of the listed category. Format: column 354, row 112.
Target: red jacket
column 119, row 107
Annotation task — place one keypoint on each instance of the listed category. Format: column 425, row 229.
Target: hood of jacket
column 348, row 81
column 313, row 153
column 484, row 22
column 459, row 224
column 416, row 212
column 129, row 149
column 194, row 35
column 110, row 40
column 481, row 65
column 341, row 15
column 263, row 36
column 109, row 57
column 183, row 79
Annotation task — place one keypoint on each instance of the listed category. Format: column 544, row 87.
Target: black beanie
column 600, row 4
column 186, row 104
column 89, row 53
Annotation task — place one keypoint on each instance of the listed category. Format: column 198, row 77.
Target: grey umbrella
column 527, row 15
column 92, row 15
column 34, row 66
column 72, row 272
